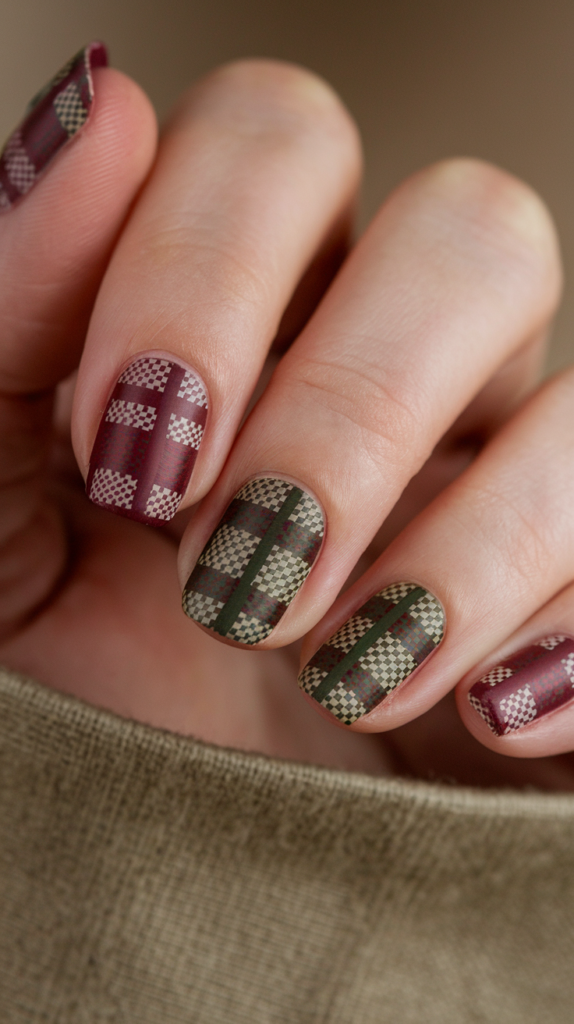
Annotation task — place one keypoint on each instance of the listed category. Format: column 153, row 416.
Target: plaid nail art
column 367, row 658
column 527, row 686
column 148, row 440
column 53, row 117
column 258, row 558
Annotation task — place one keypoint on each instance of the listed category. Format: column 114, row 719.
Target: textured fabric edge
column 37, row 699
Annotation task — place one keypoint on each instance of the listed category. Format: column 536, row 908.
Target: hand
column 418, row 355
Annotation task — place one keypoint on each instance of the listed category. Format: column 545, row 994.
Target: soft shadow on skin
column 279, row 722
column 436, row 747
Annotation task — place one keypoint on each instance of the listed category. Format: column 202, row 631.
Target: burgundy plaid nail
column 148, row 441
column 527, row 686
column 53, row 117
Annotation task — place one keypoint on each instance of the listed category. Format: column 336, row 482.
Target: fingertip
column 523, row 706
column 503, row 211
column 98, row 176
column 124, row 120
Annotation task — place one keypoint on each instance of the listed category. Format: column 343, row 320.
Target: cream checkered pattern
column 248, row 630
column 343, row 703
column 111, row 488
column 19, row 168
column 70, row 109
column 148, row 372
column 388, row 662
column 229, row 550
column 518, row 709
column 550, row 642
column 350, row 632
column 281, row 575
column 568, row 663
column 201, row 607
column 192, row 389
column 483, row 711
column 396, row 591
column 307, row 513
column 265, row 491
column 428, row 613
column 131, row 414
column 496, row 675
column 162, row 503
column 184, row 431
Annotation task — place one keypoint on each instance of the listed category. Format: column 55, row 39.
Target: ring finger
column 484, row 556
column 458, row 270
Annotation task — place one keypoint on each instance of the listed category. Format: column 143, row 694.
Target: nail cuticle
column 54, row 117
column 148, row 439
column 526, row 686
column 379, row 648
column 256, row 560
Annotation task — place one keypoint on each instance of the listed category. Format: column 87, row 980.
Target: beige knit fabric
column 151, row 879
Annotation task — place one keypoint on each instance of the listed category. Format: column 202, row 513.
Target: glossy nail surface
column 148, row 440
column 371, row 654
column 526, row 686
column 256, row 561
column 53, row 117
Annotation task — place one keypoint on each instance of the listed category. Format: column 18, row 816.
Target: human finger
column 519, row 701
column 257, row 167
column 477, row 564
column 458, row 270
column 470, row 432
column 63, row 203
column 55, row 237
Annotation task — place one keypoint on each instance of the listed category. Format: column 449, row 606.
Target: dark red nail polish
column 527, row 686
column 54, row 116
column 148, row 441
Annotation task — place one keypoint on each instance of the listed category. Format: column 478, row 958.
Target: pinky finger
column 520, row 702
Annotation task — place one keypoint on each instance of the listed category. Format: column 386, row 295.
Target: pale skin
column 403, row 396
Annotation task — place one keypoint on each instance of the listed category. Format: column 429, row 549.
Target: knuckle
column 229, row 285
column 504, row 221
column 378, row 415
column 523, row 534
column 278, row 100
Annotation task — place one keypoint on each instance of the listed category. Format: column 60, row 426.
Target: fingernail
column 371, row 654
column 148, row 441
column 256, row 560
column 529, row 685
column 53, row 117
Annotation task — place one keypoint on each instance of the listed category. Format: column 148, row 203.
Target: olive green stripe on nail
column 231, row 609
column 362, row 645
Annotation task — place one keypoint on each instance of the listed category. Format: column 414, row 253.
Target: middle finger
column 257, row 169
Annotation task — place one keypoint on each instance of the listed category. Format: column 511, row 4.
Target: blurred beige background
column 424, row 78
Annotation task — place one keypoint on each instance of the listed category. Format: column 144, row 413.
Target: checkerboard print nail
column 367, row 658
column 53, row 117
column 148, row 441
column 527, row 686
column 258, row 558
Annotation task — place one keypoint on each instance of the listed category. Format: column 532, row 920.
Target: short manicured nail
column 381, row 646
column 526, row 686
column 148, row 440
column 256, row 560
column 53, row 117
